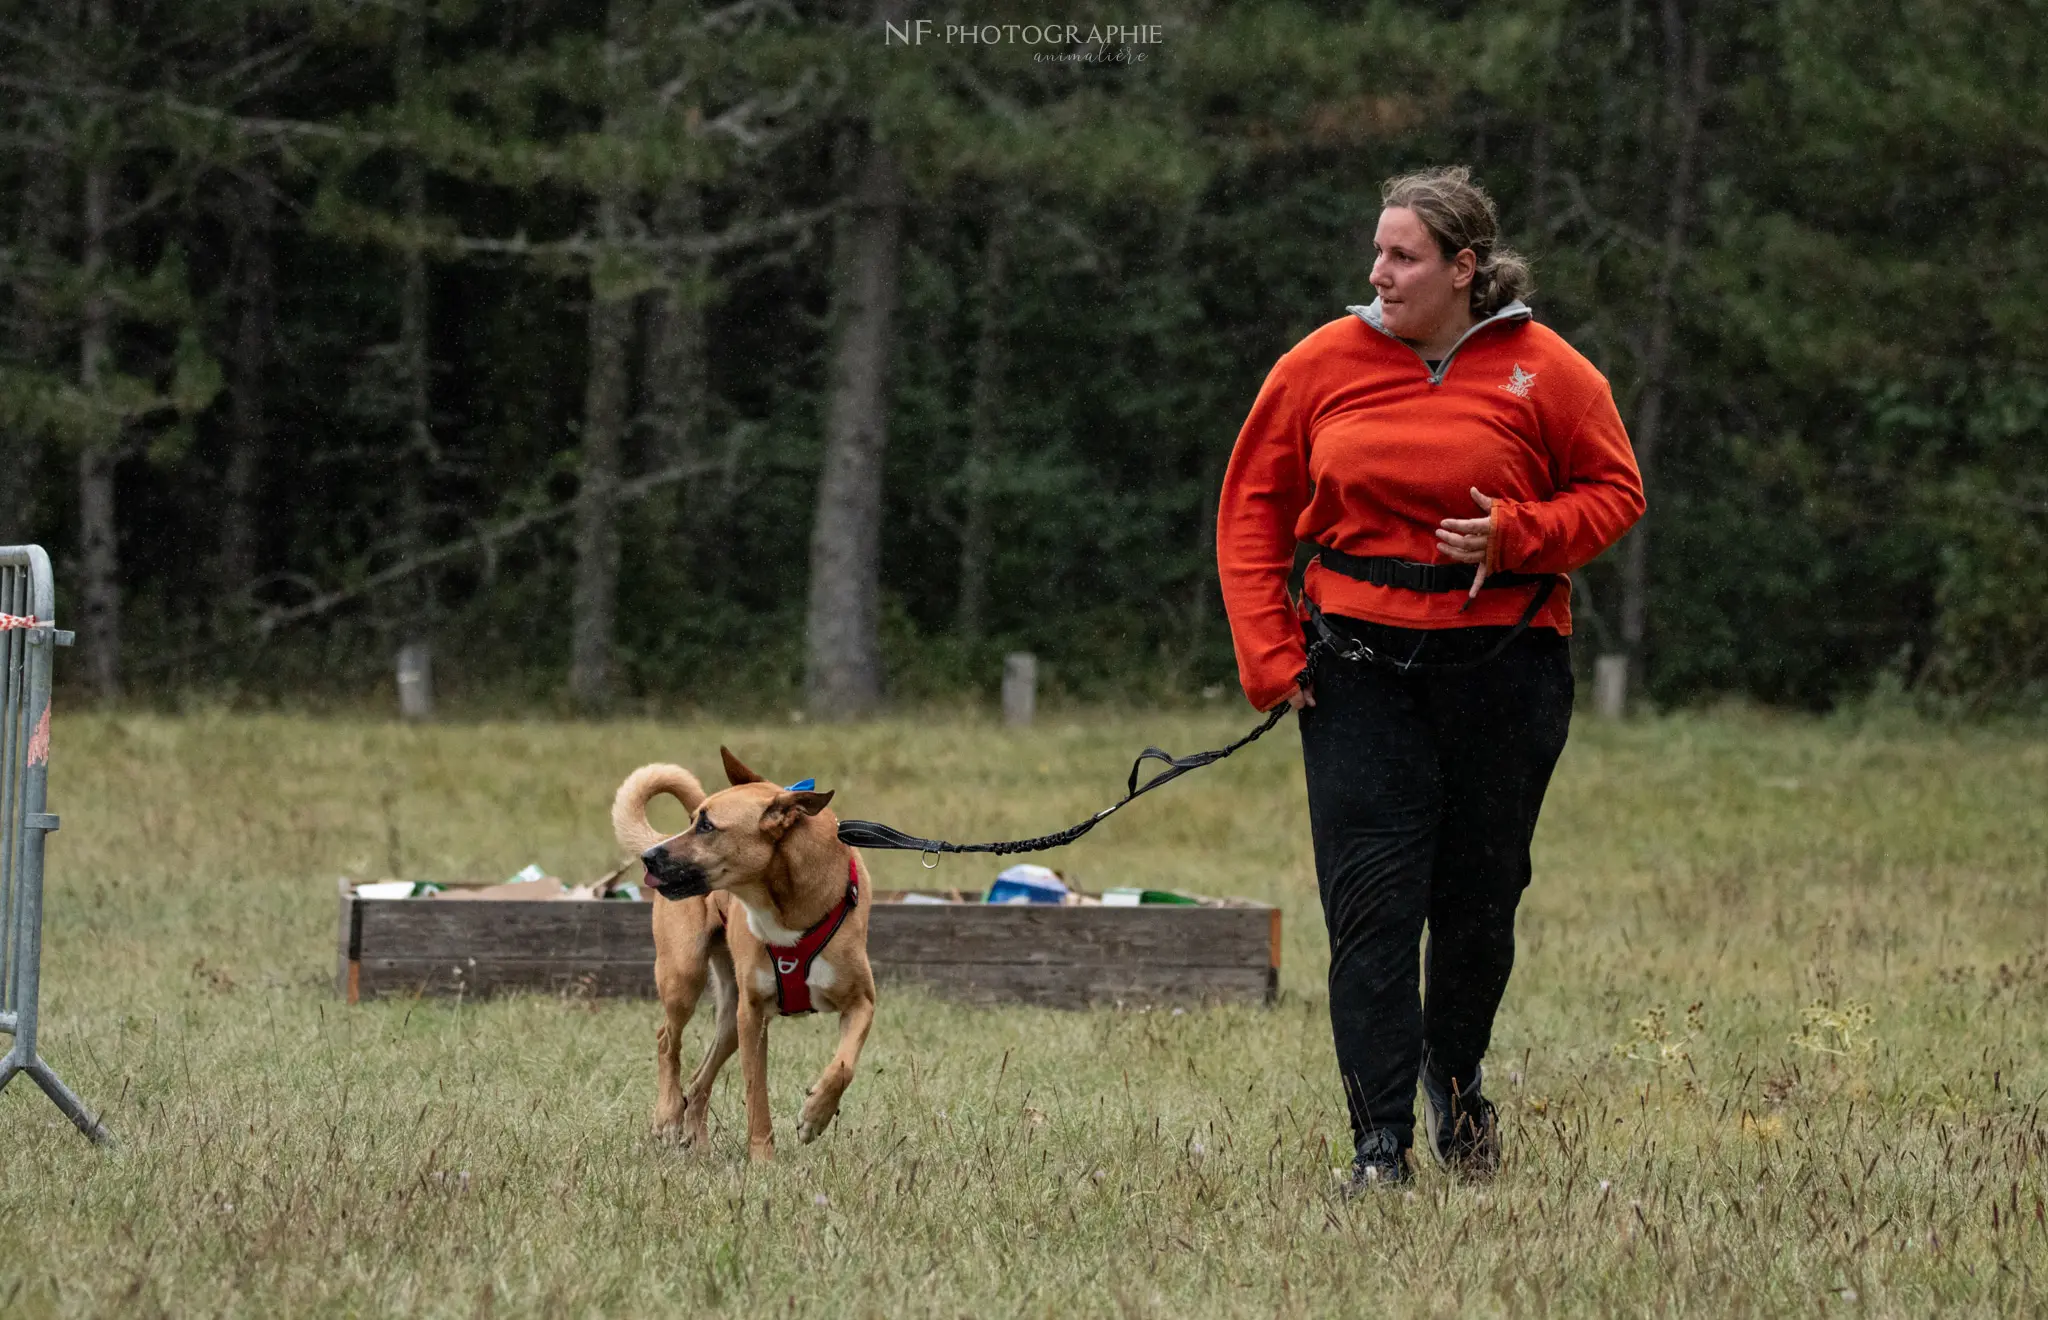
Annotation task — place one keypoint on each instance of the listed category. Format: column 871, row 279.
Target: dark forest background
column 648, row 354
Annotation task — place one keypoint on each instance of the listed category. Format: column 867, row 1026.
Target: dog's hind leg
column 725, row 1039
column 823, row 1102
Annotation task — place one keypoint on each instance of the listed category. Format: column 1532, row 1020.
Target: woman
column 1451, row 458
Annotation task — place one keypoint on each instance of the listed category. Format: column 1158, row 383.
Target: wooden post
column 416, row 681
column 1610, row 686
column 1020, row 688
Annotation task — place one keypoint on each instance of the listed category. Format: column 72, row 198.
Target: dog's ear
column 735, row 773
column 788, row 808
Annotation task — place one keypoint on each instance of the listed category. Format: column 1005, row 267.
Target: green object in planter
column 1146, row 897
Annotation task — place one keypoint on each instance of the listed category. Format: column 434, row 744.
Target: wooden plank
column 1159, row 936
column 1048, row 986
column 431, row 928
column 345, row 951
column 483, row 977
column 1046, row 955
column 1043, row 934
column 995, row 983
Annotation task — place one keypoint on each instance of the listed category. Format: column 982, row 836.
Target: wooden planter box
column 1063, row 957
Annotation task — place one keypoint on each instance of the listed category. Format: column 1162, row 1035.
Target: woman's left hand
column 1465, row 540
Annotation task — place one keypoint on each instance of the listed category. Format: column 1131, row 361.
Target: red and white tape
column 11, row 621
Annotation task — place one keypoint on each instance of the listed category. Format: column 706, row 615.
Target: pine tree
column 114, row 365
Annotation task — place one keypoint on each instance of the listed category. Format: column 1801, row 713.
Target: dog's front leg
column 823, row 1103
column 754, row 1017
column 679, row 988
column 725, row 1040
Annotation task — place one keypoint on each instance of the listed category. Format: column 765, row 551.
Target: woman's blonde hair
column 1459, row 215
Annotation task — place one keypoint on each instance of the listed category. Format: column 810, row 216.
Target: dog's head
column 733, row 836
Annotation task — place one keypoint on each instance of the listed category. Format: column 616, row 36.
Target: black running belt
column 1386, row 571
column 1328, row 640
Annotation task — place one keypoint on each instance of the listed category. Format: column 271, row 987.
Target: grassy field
column 1773, row 1045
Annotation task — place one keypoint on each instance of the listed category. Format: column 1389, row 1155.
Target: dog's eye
column 704, row 825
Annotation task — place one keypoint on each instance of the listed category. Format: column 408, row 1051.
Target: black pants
column 1423, row 791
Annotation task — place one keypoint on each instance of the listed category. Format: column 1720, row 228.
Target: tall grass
column 1773, row 1045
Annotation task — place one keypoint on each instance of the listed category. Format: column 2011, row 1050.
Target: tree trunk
column 594, row 598
column 19, row 477
column 845, row 669
column 44, row 220
column 675, row 377
column 99, row 547
column 417, row 456
column 983, row 435
column 594, row 602
column 1686, row 91
column 247, row 429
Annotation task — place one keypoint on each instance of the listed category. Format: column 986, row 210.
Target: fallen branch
column 485, row 540
column 583, row 247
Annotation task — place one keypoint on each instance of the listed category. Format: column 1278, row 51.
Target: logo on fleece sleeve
column 1519, row 383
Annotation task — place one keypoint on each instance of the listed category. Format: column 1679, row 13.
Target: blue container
column 1025, row 883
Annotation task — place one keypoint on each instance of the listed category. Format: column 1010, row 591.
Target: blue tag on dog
column 804, row 786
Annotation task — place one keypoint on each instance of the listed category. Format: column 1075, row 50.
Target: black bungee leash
column 873, row 834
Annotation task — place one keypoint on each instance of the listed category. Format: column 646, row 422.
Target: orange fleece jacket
column 1351, row 445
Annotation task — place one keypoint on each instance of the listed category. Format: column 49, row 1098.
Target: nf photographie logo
column 1093, row 43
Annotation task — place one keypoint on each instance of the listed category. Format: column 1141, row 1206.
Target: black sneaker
column 1380, row 1162
column 1462, row 1128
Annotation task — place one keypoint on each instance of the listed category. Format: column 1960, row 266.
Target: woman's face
column 1422, row 292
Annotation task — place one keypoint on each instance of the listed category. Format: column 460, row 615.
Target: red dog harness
column 793, row 961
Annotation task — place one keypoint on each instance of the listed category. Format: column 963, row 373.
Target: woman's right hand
column 1301, row 696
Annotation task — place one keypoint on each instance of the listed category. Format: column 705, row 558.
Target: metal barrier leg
column 74, row 1108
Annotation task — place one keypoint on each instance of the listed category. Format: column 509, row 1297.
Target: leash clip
column 929, row 859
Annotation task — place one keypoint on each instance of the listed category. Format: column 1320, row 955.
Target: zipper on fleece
column 1514, row 311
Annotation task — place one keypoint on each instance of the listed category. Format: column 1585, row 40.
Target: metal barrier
column 29, row 638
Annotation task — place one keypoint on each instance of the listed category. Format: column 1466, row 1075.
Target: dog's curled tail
column 629, row 806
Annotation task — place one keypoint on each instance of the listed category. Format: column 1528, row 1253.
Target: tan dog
column 759, row 865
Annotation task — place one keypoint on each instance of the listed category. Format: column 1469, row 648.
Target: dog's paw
column 813, row 1120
